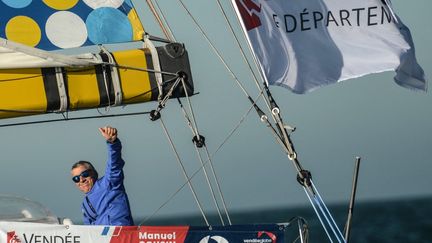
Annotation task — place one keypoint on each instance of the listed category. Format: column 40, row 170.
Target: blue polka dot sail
column 59, row 24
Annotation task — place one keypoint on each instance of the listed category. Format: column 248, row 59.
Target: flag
column 303, row 45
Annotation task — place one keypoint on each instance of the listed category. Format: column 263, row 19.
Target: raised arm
column 115, row 163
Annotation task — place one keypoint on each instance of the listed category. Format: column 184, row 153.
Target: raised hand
column 109, row 133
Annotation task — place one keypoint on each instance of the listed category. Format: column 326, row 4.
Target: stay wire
column 318, row 214
column 194, row 123
column 215, row 50
column 188, row 179
column 210, row 186
column 286, row 141
column 281, row 130
column 268, row 98
column 238, row 125
column 260, row 89
column 221, row 195
column 199, row 169
column 161, row 105
column 339, row 233
column 323, row 213
column 276, row 117
column 164, row 204
column 205, row 171
column 160, row 18
column 194, row 128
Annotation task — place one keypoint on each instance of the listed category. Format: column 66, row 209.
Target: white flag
column 305, row 44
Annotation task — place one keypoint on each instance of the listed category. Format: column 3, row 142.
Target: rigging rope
column 16, row 79
column 283, row 135
column 232, row 73
column 194, row 125
column 140, row 69
column 210, row 186
column 215, row 50
column 108, row 107
column 168, row 33
column 326, row 211
column 65, row 118
column 199, row 169
column 241, row 49
column 194, row 129
column 268, row 100
column 184, row 171
column 155, row 114
column 161, row 21
column 284, row 138
column 217, row 185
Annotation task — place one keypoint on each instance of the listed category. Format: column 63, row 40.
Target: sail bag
column 35, row 80
column 123, row 77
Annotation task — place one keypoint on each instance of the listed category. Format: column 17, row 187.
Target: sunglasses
column 84, row 174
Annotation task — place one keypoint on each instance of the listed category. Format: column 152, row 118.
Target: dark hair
column 89, row 165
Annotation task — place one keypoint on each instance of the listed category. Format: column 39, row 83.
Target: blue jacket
column 107, row 203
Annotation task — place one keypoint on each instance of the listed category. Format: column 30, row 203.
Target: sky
column 389, row 127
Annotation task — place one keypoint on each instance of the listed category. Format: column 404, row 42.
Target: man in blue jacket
column 106, row 201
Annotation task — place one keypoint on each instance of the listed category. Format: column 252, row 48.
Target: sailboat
column 35, row 81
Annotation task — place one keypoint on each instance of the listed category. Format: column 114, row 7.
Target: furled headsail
column 36, row 81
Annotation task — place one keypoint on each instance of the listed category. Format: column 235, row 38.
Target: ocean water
column 404, row 221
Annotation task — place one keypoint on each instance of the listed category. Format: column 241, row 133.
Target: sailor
column 105, row 201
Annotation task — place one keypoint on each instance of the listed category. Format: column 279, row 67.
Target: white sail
column 15, row 55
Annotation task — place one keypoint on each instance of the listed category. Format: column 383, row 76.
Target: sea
column 398, row 220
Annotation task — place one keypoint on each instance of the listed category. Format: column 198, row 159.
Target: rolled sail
column 34, row 80
column 118, row 78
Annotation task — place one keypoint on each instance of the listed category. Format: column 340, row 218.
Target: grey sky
column 372, row 117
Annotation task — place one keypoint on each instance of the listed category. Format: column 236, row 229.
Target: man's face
column 85, row 184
